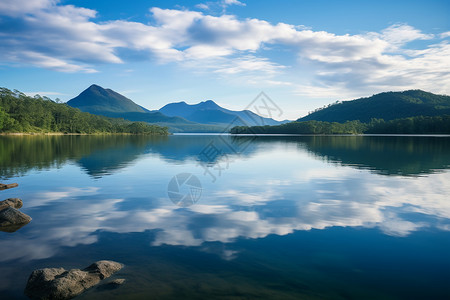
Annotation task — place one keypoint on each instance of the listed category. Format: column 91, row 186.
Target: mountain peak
column 96, row 99
column 208, row 104
column 94, row 86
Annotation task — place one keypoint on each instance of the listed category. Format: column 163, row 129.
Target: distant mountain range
column 210, row 113
column 206, row 116
column 387, row 106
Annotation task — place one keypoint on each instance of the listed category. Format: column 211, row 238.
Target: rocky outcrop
column 8, row 186
column 11, row 202
column 12, row 219
column 58, row 283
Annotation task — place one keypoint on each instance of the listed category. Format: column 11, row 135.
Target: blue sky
column 302, row 54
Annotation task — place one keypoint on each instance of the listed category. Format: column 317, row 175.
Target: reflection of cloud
column 246, row 198
column 398, row 206
column 398, row 227
column 50, row 196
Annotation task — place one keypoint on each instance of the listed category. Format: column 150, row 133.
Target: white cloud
column 203, row 6
column 445, row 35
column 250, row 64
column 67, row 38
column 400, row 34
column 233, row 2
column 22, row 7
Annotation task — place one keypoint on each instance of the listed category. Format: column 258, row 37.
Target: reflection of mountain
column 19, row 154
column 386, row 155
column 101, row 155
column 203, row 148
column 401, row 155
column 98, row 154
column 105, row 154
column 116, row 153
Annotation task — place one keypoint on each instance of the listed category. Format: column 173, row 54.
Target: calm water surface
column 344, row 217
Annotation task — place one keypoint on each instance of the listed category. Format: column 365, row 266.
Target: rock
column 114, row 284
column 11, row 228
column 8, row 186
column 104, row 268
column 118, row 281
column 12, row 217
column 11, row 202
column 57, row 283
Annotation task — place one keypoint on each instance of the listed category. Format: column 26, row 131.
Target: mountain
column 97, row 100
column 106, row 102
column 387, row 106
column 208, row 112
column 179, row 117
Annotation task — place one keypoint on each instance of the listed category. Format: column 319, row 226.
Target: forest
column 20, row 113
column 412, row 125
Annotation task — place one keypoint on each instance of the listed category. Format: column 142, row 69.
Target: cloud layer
column 47, row 34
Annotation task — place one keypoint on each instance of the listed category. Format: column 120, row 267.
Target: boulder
column 8, row 186
column 12, row 217
column 58, row 283
column 11, row 202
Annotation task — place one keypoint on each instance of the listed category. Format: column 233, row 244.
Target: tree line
column 412, row 125
column 21, row 113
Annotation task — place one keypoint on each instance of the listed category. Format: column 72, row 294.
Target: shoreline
column 62, row 133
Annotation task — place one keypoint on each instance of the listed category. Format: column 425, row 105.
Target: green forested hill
column 412, row 125
column 386, row 106
column 96, row 100
column 20, row 113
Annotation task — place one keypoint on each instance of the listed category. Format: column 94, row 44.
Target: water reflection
column 273, row 188
column 104, row 155
column 386, row 155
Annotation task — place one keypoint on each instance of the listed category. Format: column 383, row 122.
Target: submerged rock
column 113, row 284
column 12, row 217
column 8, row 186
column 11, row 202
column 58, row 283
column 117, row 282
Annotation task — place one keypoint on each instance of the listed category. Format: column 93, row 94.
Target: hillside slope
column 387, row 106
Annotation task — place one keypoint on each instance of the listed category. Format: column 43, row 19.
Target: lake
column 223, row 217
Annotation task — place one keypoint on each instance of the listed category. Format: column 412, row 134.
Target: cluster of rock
column 55, row 283
column 11, row 219
column 60, row 284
